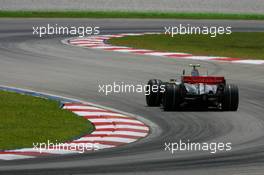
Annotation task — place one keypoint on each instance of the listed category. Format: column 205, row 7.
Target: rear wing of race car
column 203, row 79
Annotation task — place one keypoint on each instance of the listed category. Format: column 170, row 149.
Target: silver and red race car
column 193, row 91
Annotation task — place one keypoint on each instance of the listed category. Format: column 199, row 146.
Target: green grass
column 127, row 14
column 247, row 45
column 25, row 120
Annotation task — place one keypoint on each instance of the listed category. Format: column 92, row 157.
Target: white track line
column 82, row 107
column 166, row 53
column 84, row 113
column 115, row 120
column 131, row 133
column 249, row 61
column 14, row 157
column 121, row 126
column 113, row 139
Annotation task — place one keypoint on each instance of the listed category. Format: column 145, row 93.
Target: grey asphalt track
column 46, row 65
column 222, row 6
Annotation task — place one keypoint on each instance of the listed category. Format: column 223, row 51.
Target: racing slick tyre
column 154, row 96
column 171, row 97
column 230, row 98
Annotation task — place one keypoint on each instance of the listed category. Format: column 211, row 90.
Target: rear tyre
column 230, row 98
column 153, row 98
column 171, row 97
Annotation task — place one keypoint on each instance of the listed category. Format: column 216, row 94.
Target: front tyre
column 230, row 98
column 153, row 96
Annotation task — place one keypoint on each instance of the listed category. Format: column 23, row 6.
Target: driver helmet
column 195, row 72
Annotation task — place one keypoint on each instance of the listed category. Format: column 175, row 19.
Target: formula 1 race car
column 193, row 91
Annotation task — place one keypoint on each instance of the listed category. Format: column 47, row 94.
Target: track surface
column 47, row 65
column 223, row 6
